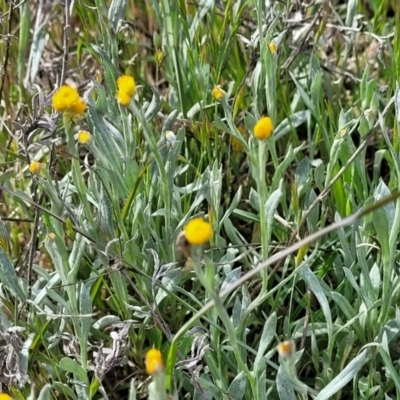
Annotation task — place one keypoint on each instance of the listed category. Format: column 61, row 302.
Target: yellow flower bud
column 286, row 348
column 84, row 137
column 154, row 361
column 126, row 89
column 79, row 107
column 272, row 47
column 198, row 231
column 218, row 93
column 35, row 167
column 123, row 99
column 51, row 236
column 126, row 84
column 5, row 396
column 263, row 128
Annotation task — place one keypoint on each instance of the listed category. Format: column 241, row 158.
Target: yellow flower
column 126, row 89
column 286, row 348
column 35, row 167
column 263, row 128
column 84, row 137
column 198, row 231
column 154, row 361
column 51, row 236
column 123, row 99
column 66, row 99
column 272, row 47
column 126, row 84
column 5, row 396
column 218, row 93
column 79, row 107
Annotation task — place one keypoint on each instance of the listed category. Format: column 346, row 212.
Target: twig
column 299, row 48
column 11, row 219
column 33, row 242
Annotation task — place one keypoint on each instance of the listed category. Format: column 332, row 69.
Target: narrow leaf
column 266, row 337
column 344, row 377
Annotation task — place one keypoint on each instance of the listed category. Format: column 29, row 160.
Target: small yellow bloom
column 35, row 167
column 286, row 348
column 123, row 99
column 198, row 231
column 79, row 107
column 154, row 361
column 84, row 137
column 272, row 47
column 218, row 93
column 126, row 84
column 51, row 236
column 66, row 99
column 5, row 396
column 263, row 128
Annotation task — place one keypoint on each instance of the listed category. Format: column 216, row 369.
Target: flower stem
column 263, row 195
column 223, row 315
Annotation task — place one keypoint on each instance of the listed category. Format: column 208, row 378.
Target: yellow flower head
column 198, row 231
column 272, row 47
column 126, row 84
column 84, row 137
column 5, row 396
column 66, row 99
column 154, row 361
column 79, row 107
column 286, row 348
column 51, row 236
column 218, row 93
column 35, row 167
column 123, row 99
column 126, row 89
column 263, row 128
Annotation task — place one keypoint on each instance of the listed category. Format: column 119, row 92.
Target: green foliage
column 94, row 270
